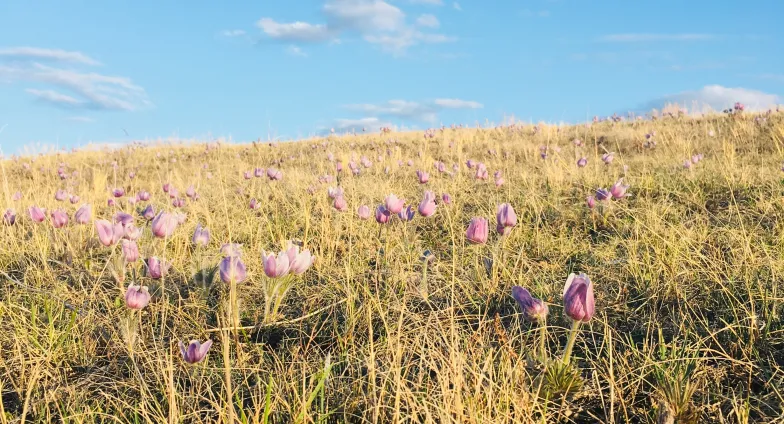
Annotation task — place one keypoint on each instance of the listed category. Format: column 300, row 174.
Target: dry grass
column 687, row 272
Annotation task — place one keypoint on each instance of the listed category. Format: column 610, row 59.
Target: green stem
column 542, row 341
column 572, row 337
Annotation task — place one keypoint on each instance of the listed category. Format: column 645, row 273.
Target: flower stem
column 572, row 337
column 542, row 341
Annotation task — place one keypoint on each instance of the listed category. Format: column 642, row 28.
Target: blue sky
column 73, row 72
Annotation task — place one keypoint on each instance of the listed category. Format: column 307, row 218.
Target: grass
column 687, row 275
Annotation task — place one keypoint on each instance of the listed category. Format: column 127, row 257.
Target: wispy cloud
column 645, row 37
column 375, row 21
column 233, row 33
column 430, row 2
column 55, row 98
column 82, row 119
column 428, row 21
column 296, row 51
column 416, row 111
column 716, row 97
column 35, row 53
column 70, row 88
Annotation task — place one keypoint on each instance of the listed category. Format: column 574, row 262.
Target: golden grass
column 687, row 272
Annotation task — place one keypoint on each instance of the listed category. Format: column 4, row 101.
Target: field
column 406, row 320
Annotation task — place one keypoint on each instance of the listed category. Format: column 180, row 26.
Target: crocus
column 130, row 250
column 195, row 352
column 534, row 310
column 59, row 219
column 9, row 217
column 83, row 214
column 393, row 204
column 340, row 204
column 470, row 163
column 166, row 187
column 382, row 214
column 481, row 171
column 178, row 202
column 148, row 213
column 334, row 192
column 157, row 268
column 363, row 212
column 137, row 297
column 232, row 270
column 247, row 175
column 618, row 190
column 201, row 237
column 275, row 267
column 164, row 224
column 427, row 207
column 477, row 230
column 299, row 262
column 406, row 214
column 582, row 162
column 578, row 298
column 423, row 176
column 506, row 218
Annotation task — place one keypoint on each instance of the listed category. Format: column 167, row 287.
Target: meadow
column 667, row 232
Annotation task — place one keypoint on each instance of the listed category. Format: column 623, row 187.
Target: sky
column 74, row 72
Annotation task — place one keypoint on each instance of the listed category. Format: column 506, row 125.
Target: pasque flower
column 406, row 214
column 164, row 224
column 275, row 266
column 393, row 204
column 157, row 268
column 9, row 217
column 506, row 218
column 299, row 262
column 232, row 270
column 201, row 236
column 130, row 250
column 37, row 214
column 59, row 219
column 477, row 230
column 534, row 310
column 137, row 297
column 195, row 352
column 382, row 214
column 427, row 207
column 578, row 298
column 618, row 190
column 363, row 212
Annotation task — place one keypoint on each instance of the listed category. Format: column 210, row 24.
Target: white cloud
column 430, row 2
column 35, row 53
column 718, row 98
column 631, row 38
column 73, row 88
column 457, row 7
column 416, row 111
column 233, row 33
column 458, row 104
column 296, row 51
column 364, row 15
column 376, row 21
column 295, row 31
column 428, row 21
column 83, row 119
column 54, row 97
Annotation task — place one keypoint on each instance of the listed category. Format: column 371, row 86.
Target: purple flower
column 477, row 230
column 607, row 158
column 83, row 214
column 201, row 237
column 602, row 194
column 231, row 249
column 59, row 219
column 382, row 214
column 423, row 177
column 406, row 214
column 157, row 268
column 109, row 234
column 164, row 224
column 275, row 267
column 74, row 199
column 427, row 207
column 60, row 195
column 393, row 204
column 340, row 204
column 130, row 250
column 17, row 196
column 534, row 310
column 148, row 213
column 123, row 219
column 582, row 162
column 618, row 190
column 254, row 204
column 363, row 212
column 118, row 192
column 506, row 218
column 258, row 172
column 9, row 217
column 143, row 196
column 191, row 192
column 299, row 262
column 591, row 202
column 178, row 202
column 334, row 192
column 578, row 298
column 232, row 270
column 137, row 297
column 274, row 174
column 195, row 352
column 446, row 198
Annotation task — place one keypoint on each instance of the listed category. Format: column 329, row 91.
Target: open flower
column 195, row 352
column 275, row 267
column 299, row 262
column 232, row 270
column 393, row 204
column 137, row 297
column 534, row 310
column 157, row 268
column 427, row 207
